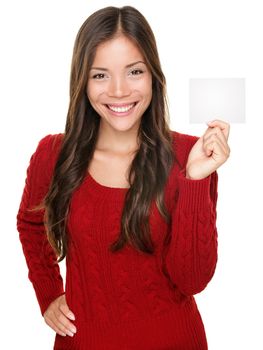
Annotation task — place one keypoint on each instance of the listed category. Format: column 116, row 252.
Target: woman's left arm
column 192, row 254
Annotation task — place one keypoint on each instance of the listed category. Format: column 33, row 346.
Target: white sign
column 217, row 99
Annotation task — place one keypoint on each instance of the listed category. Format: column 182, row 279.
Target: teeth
column 122, row 109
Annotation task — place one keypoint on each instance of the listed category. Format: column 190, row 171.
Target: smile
column 123, row 108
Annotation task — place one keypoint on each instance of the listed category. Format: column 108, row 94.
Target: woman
column 130, row 203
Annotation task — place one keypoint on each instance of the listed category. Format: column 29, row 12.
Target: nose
column 119, row 87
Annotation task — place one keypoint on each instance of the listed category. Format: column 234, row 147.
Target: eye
column 136, row 72
column 98, row 76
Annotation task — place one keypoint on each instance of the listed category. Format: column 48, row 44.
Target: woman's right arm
column 43, row 269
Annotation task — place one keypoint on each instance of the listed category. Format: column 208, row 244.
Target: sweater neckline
column 105, row 189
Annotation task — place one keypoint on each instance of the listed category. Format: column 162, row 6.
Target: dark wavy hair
column 154, row 158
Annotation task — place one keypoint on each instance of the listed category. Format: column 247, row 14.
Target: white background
column 201, row 39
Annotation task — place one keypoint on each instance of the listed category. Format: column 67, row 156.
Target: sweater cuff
column 47, row 291
column 193, row 194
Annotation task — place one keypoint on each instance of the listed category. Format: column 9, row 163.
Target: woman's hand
column 209, row 152
column 56, row 316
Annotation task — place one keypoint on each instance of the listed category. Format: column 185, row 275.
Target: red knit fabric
column 126, row 300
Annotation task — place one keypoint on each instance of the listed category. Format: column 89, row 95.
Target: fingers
column 56, row 316
column 209, row 152
column 216, row 134
column 63, row 324
column 224, row 126
column 55, row 328
column 216, row 150
column 215, row 145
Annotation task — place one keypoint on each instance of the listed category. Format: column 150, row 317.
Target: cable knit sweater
column 126, row 300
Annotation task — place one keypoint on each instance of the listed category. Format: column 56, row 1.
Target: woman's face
column 119, row 85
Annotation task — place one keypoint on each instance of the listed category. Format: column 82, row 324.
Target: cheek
column 94, row 91
column 148, row 93
column 146, row 88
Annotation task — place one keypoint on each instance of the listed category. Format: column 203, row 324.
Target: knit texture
column 126, row 300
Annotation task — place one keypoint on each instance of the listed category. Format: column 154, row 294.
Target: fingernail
column 71, row 316
column 73, row 329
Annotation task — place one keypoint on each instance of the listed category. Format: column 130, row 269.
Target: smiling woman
column 130, row 203
column 122, row 88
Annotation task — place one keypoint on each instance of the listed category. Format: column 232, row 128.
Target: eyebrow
column 128, row 66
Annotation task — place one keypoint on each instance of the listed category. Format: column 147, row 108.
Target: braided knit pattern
column 124, row 300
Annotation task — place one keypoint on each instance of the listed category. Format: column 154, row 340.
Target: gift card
column 219, row 98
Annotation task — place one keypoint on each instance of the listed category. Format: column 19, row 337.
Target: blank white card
column 220, row 98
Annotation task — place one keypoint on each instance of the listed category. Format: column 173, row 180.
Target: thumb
column 224, row 126
column 71, row 315
column 65, row 309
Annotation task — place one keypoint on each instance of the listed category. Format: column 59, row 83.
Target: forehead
column 119, row 49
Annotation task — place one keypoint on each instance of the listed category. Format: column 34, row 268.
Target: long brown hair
column 154, row 158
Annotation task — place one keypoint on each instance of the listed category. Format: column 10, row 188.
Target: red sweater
column 126, row 300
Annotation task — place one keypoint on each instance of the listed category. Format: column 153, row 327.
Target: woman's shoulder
column 47, row 150
column 48, row 147
column 50, row 142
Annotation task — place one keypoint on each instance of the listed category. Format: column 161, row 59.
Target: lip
column 121, row 114
column 123, row 104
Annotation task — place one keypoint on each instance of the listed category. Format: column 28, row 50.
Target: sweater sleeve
column 192, row 253
column 43, row 268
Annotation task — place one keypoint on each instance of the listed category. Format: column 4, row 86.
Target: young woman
column 130, row 203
